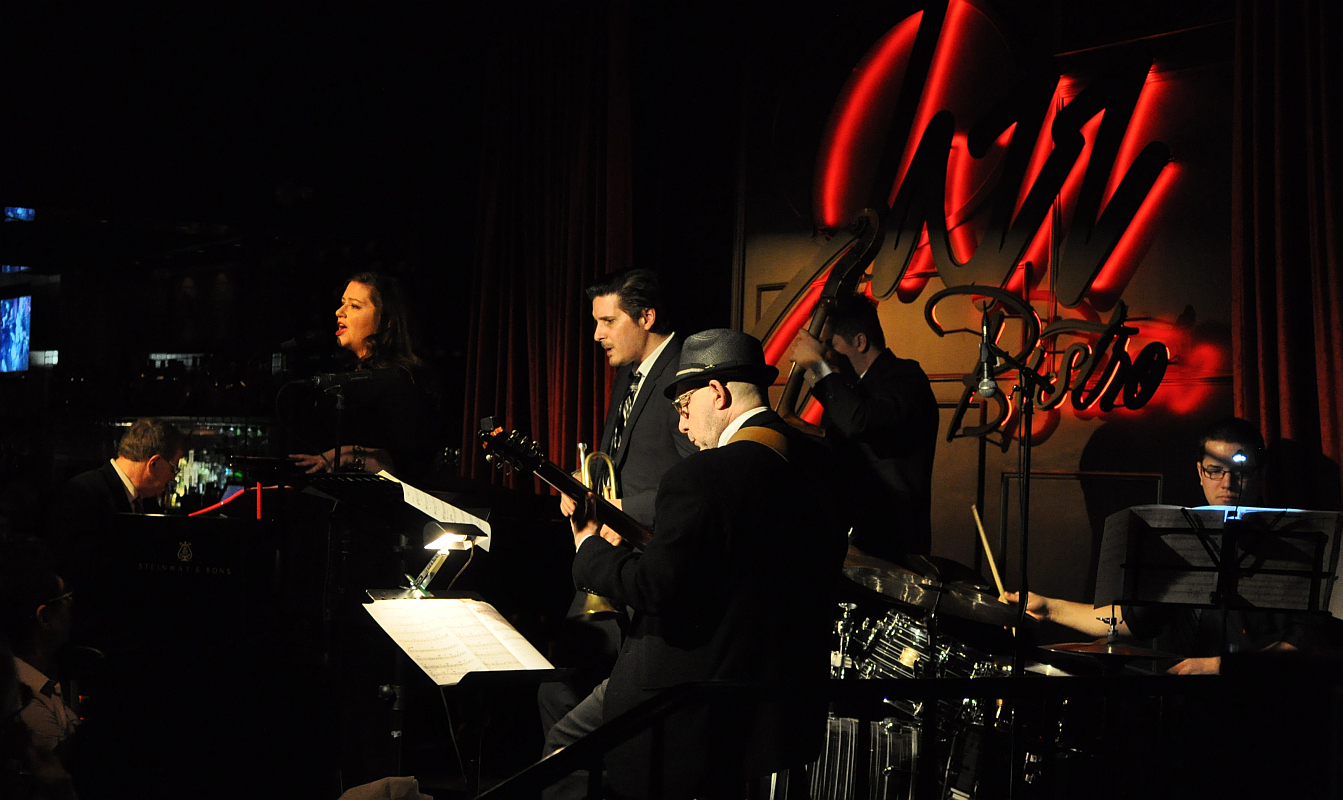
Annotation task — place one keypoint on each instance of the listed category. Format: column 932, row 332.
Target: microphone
column 987, row 387
column 327, row 380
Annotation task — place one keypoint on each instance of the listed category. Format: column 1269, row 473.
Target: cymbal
column 1047, row 670
column 917, row 591
column 968, row 602
column 905, row 588
column 1105, row 647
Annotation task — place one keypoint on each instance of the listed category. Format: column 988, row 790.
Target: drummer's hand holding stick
column 1069, row 613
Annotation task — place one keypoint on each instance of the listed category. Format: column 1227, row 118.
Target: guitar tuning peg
column 489, row 458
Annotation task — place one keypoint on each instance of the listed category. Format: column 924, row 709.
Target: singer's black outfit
column 392, row 412
column 884, row 431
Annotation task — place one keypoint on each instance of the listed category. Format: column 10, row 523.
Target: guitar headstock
column 509, row 450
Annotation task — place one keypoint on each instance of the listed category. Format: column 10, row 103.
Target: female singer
column 387, row 419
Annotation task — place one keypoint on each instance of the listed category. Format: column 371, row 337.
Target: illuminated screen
column 16, row 315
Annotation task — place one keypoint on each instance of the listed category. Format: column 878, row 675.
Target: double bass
column 847, row 263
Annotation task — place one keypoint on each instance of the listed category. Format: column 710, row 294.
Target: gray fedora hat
column 723, row 355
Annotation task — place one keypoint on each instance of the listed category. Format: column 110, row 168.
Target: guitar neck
column 607, row 514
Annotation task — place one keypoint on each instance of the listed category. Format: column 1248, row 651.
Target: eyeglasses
column 1216, row 473
column 60, row 598
column 682, row 402
column 172, row 465
column 69, row 595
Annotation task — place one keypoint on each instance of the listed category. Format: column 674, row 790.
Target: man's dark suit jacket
column 736, row 585
column 80, row 514
column 652, row 441
column 884, row 432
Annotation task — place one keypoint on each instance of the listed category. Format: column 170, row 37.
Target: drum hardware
column 840, row 660
column 875, row 761
column 957, row 744
column 832, row 775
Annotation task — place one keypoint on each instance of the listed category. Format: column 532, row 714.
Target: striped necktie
column 625, row 408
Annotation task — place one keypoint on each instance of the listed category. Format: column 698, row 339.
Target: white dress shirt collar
column 125, row 482
column 735, row 425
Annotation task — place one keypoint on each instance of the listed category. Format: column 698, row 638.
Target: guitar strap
column 761, row 435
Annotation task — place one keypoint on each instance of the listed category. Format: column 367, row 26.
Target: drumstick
column 998, row 581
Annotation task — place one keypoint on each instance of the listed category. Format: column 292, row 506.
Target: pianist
column 145, row 463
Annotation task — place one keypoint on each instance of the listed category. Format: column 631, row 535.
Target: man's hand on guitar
column 584, row 523
column 568, row 507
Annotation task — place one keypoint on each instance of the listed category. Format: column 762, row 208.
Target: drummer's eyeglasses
column 682, row 402
column 1216, row 473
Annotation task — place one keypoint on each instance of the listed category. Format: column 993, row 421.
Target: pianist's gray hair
column 150, row 437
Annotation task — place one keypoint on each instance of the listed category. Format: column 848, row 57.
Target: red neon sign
column 1003, row 166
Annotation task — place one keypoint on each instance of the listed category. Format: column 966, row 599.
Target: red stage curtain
column 1287, row 291
column 554, row 215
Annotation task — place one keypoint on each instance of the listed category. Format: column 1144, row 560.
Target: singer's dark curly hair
column 391, row 345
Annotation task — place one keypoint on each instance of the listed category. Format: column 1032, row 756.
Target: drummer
column 1230, row 457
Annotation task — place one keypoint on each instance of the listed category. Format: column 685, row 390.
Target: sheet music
column 449, row 638
column 440, row 510
column 1285, row 558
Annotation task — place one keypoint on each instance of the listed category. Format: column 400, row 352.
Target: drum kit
column 953, row 748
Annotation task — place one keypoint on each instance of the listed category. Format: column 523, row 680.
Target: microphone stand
column 1027, row 379
column 339, row 391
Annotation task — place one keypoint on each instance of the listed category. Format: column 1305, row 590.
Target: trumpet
column 610, row 490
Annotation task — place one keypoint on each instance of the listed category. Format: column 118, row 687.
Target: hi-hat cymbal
column 1105, row 647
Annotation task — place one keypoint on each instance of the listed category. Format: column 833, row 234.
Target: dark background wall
column 205, row 178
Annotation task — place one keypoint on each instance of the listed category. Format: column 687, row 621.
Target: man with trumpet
column 641, row 439
column 736, row 586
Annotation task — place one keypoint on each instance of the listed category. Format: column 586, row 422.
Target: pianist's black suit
column 80, row 514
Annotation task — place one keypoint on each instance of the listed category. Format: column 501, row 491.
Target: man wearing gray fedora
column 735, row 586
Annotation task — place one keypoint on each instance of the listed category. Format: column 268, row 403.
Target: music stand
column 1224, row 557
